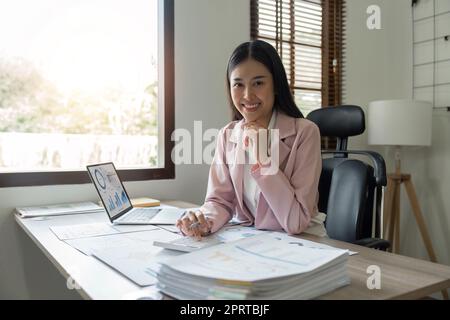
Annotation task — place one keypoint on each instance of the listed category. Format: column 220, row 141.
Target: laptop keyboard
column 140, row 215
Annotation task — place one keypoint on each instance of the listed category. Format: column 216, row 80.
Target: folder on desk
column 58, row 209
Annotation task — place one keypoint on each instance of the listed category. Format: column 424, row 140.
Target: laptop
column 117, row 203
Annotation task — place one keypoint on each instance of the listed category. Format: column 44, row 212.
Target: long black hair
column 266, row 54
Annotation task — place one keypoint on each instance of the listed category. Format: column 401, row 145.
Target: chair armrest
column 378, row 162
column 374, row 243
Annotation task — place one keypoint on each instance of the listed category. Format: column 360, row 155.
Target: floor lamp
column 401, row 123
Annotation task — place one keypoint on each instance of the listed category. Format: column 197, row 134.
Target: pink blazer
column 288, row 199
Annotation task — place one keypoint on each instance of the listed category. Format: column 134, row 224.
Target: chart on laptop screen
column 110, row 188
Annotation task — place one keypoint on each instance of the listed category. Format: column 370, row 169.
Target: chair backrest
column 346, row 216
column 340, row 122
column 348, row 188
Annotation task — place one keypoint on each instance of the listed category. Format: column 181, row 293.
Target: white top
column 251, row 189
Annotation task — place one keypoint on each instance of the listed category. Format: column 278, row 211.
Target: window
column 84, row 82
column 308, row 36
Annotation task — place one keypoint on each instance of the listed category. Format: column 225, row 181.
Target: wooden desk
column 401, row 277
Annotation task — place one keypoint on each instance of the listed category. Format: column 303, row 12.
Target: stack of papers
column 265, row 266
column 58, row 209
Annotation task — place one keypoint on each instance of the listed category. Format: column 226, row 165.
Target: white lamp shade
column 400, row 122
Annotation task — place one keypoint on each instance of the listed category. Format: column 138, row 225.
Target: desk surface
column 401, row 277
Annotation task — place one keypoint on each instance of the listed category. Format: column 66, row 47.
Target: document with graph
column 133, row 255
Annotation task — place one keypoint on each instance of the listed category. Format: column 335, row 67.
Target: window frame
column 41, row 178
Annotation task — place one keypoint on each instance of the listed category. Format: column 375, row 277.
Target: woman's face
column 252, row 92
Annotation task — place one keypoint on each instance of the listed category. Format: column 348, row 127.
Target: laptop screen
column 110, row 188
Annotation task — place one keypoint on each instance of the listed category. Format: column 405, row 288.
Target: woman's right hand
column 194, row 224
column 258, row 148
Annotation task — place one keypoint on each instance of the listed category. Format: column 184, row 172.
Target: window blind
column 308, row 35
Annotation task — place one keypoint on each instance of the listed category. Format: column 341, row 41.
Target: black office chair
column 348, row 188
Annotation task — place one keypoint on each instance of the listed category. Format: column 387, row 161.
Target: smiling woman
column 252, row 91
column 85, row 82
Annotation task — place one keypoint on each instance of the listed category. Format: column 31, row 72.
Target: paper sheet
column 305, row 243
column 88, row 230
column 83, row 230
column 133, row 254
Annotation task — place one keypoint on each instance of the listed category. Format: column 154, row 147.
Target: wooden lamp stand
column 391, row 221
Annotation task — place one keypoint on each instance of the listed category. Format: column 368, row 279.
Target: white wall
column 379, row 67
column 377, row 61
column 206, row 32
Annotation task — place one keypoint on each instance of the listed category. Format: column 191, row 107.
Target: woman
column 281, row 199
